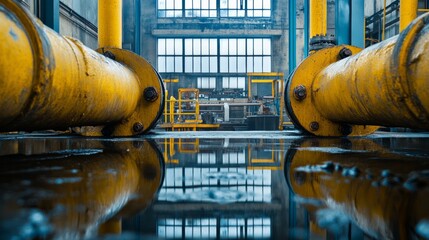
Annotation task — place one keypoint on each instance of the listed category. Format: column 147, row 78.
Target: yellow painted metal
column 53, row 82
column 407, row 13
column 110, row 23
column 171, row 80
column 386, row 84
column 318, row 17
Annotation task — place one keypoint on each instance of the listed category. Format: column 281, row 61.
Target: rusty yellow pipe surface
column 46, row 76
column 110, row 23
column 318, row 17
column 343, row 91
column 52, row 82
column 387, row 84
column 407, row 13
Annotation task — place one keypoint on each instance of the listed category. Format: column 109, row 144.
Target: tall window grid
column 214, row 8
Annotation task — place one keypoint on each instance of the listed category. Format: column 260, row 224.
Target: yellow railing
column 170, row 113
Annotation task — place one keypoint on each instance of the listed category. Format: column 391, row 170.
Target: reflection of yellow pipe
column 384, row 212
column 385, row 84
column 51, row 82
column 318, row 17
column 407, row 13
column 110, row 23
column 90, row 188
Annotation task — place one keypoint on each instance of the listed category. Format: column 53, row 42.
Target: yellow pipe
column 318, row 17
column 386, row 84
column 53, row 82
column 407, row 13
column 110, row 23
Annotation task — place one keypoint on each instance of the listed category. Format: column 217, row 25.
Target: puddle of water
column 246, row 186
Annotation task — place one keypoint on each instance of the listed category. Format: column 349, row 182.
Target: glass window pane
column 225, row 82
column 233, row 46
column 257, row 13
column 213, row 64
column 258, row 64
column 205, row 46
column 178, row 46
column 250, row 64
column 249, row 46
column 161, row 64
column 213, row 46
column 258, row 46
column 169, row 4
column 188, row 64
column 223, row 47
column 204, row 4
column 232, row 64
column 212, row 82
column 197, row 64
column 257, row 4
column 161, row 4
column 223, row 64
column 197, row 4
column 178, row 4
column 232, row 4
column 223, row 3
column 188, row 46
column 249, row 4
column 241, row 46
column 178, row 64
column 213, row 13
column 267, row 64
column 170, row 64
column 212, row 4
column 267, row 4
column 197, row 46
column 204, row 13
column 240, row 13
column 267, row 46
column 170, row 46
column 161, row 46
column 188, row 4
column 233, row 82
column 205, row 66
column 241, row 64
column 241, row 82
column 267, row 13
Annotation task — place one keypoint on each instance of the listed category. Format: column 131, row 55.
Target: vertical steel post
column 50, row 14
column 407, row 13
column 137, row 26
column 358, row 23
column 306, row 27
column 110, row 23
column 292, row 35
column 318, row 17
column 342, row 22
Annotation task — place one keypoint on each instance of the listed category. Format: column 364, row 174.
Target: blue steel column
column 292, row 35
column 50, row 14
column 358, row 23
column 137, row 26
column 306, row 27
column 342, row 22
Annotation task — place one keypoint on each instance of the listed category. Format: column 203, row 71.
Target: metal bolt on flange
column 314, row 126
column 138, row 127
column 300, row 92
column 345, row 52
column 150, row 94
column 346, row 129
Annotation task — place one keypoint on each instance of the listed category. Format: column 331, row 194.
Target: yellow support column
column 318, row 17
column 407, row 13
column 110, row 23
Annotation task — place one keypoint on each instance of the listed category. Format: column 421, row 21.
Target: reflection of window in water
column 228, row 181
column 206, row 228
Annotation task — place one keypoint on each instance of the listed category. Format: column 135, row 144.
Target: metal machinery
column 346, row 91
column 52, row 82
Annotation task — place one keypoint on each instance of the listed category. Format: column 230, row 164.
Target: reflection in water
column 362, row 182
column 71, row 188
column 355, row 188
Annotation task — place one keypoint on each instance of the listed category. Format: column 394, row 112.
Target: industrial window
column 170, row 55
column 234, row 56
column 245, row 8
column 200, row 8
column 206, row 82
column 200, row 55
column 170, row 8
column 210, row 8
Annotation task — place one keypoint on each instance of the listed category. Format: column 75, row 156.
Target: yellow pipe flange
column 299, row 99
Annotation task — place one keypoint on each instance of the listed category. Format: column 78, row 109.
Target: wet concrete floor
column 260, row 185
